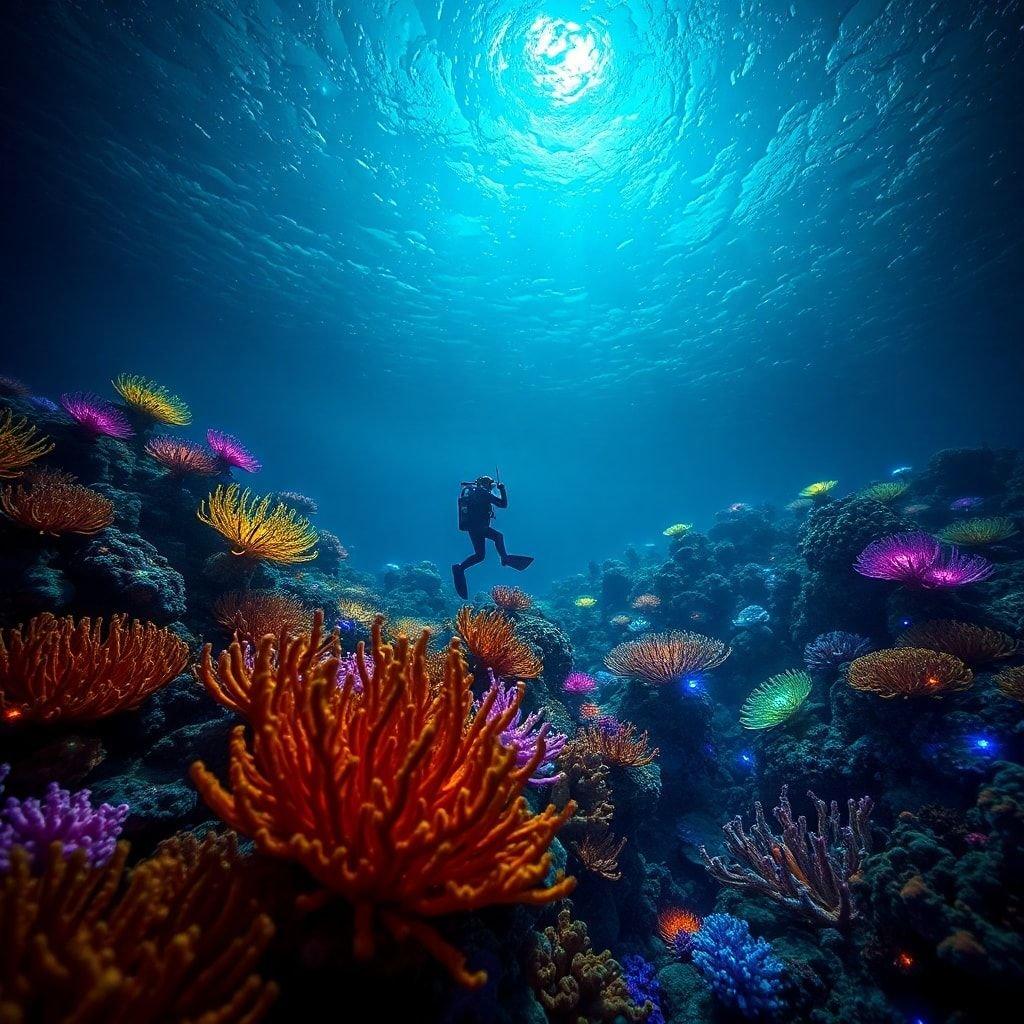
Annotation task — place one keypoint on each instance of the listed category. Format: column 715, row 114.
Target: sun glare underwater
column 512, row 511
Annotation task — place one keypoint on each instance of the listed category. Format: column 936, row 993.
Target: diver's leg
column 499, row 543
column 459, row 568
column 519, row 562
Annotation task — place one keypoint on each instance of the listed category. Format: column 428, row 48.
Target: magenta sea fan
column 97, row 416
column 232, row 452
column 579, row 682
column 918, row 560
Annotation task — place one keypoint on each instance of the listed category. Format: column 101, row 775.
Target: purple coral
column 828, row 651
column 524, row 734
column 99, row 417
column 918, row 560
column 579, row 683
column 62, row 817
column 232, row 452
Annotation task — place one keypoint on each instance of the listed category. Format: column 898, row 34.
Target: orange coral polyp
column 491, row 638
column 909, row 672
column 396, row 797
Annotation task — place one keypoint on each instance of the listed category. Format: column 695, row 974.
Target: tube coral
column 775, row 700
column 252, row 614
column 909, row 672
column 177, row 941
column 59, row 669
column 152, row 400
column 231, row 452
column 181, row 458
column 979, row 532
column 917, row 560
column 54, row 503
column 663, row 657
column 398, row 799
column 974, row 645
column 511, row 599
column 19, row 445
column 619, row 745
column 491, row 638
column 254, row 530
column 98, row 417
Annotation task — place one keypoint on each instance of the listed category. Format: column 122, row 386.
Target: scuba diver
column 477, row 502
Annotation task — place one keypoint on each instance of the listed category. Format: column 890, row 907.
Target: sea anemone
column 677, row 926
column 181, row 458
column 827, row 652
column 585, row 602
column 231, row 452
column 777, row 699
column 492, row 640
column 664, row 657
column 885, row 492
column 917, row 560
column 909, row 672
column 19, row 445
column 577, row 683
column 152, row 400
column 819, row 489
column 55, row 503
column 677, row 530
column 511, row 599
column 254, row 530
column 253, row 614
column 979, row 532
column 619, row 745
column 973, row 645
column 645, row 601
column 1011, row 682
column 101, row 418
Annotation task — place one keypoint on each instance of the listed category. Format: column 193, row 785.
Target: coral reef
column 909, row 672
column 181, row 458
column 663, row 657
column 491, row 638
column 152, row 400
column 255, row 530
column 917, row 560
column 54, row 503
column 619, row 745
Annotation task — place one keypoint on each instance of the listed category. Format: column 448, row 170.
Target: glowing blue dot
column 905, row 622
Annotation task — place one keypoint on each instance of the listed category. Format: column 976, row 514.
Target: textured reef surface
column 770, row 769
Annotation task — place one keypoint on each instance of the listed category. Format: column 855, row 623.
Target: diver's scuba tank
column 464, row 506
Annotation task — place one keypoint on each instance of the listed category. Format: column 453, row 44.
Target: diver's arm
column 502, row 500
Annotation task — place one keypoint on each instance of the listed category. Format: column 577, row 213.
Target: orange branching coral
column 255, row 530
column 1011, row 682
column 975, row 645
column 491, row 638
column 909, row 672
column 59, row 669
column 54, row 503
column 178, row 940
column 19, row 445
column 664, row 657
column 619, row 746
column 601, row 856
column 511, row 599
column 391, row 793
column 252, row 614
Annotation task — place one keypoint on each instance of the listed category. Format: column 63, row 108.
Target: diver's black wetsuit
column 478, row 524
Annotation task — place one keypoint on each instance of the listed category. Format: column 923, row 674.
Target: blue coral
column 643, row 986
column 827, row 652
column 740, row 970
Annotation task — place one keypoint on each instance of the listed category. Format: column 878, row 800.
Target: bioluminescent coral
column 491, row 639
column 973, row 645
column 182, row 458
column 1011, row 682
column 827, row 652
column 664, row 657
column 578, row 683
column 643, row 986
column 677, row 926
column 398, row 869
column 600, row 855
column 638, row 625
column 620, row 746
column 808, row 872
column 97, row 416
column 152, row 400
column 751, row 615
column 884, row 492
column 59, row 669
column 743, row 972
column 231, row 452
column 511, row 599
column 51, row 502
column 20, row 445
column 61, row 816
column 677, row 529
column 979, row 532
column 253, row 614
column 909, row 672
column 819, row 489
column 777, row 699
column 255, row 530
column 585, row 601
column 918, row 560
column 644, row 601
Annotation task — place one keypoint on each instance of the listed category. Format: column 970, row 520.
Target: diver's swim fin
column 519, row 562
column 459, row 575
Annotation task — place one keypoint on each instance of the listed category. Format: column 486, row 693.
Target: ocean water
column 647, row 263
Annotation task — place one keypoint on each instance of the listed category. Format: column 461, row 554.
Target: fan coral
column 808, row 872
column 181, row 457
column 511, row 599
column 917, row 560
column 827, row 652
column 152, row 401
column 979, row 532
column 579, row 682
column 819, row 489
column 255, row 530
column 19, row 445
column 677, row 927
column 178, row 941
column 430, row 822
column 740, row 970
column 677, row 530
column 1011, row 682
column 231, row 452
column 59, row 816
column 618, row 746
column 664, row 657
column 645, row 601
column 527, row 736
column 777, row 699
column 491, row 638
column 52, row 502
column 252, row 614
column 585, row 602
column 909, row 672
column 601, row 856
column 96, row 415
column 59, row 669
column 885, row 492
column 974, row 645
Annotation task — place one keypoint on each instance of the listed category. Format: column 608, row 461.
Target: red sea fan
column 232, row 452
column 100, row 418
column 918, row 560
